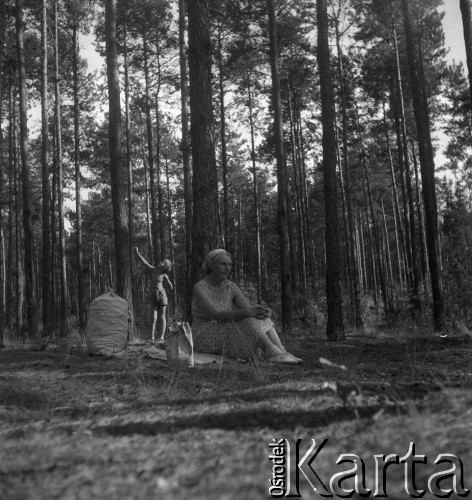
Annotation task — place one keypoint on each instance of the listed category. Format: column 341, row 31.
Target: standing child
column 159, row 300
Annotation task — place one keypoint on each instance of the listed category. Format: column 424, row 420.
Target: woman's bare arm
column 241, row 302
column 209, row 307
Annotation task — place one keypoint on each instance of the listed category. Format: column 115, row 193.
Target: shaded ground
column 73, row 426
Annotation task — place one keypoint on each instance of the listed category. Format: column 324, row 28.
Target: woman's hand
column 268, row 312
column 259, row 312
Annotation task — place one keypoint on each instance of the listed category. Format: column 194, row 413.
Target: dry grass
column 75, row 426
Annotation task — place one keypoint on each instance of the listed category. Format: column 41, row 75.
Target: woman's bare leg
column 275, row 339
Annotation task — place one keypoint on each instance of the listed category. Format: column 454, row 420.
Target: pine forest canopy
column 325, row 144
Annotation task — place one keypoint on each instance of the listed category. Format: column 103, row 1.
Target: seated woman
column 224, row 322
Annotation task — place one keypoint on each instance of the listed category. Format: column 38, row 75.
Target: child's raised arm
column 143, row 260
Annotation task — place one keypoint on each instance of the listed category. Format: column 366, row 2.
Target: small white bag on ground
column 107, row 325
column 179, row 345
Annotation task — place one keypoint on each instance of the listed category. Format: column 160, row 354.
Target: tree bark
column 11, row 204
column 282, row 178
column 466, row 11
column 420, row 107
column 78, row 201
column 46, row 208
column 255, row 191
column 353, row 271
column 60, row 175
column 185, row 160
column 415, row 281
column 117, row 172
column 335, row 327
column 204, row 182
column 129, row 166
column 224, row 154
column 154, row 223
column 31, row 302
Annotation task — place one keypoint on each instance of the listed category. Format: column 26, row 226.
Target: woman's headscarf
column 211, row 258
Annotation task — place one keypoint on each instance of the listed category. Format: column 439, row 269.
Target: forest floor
column 75, row 426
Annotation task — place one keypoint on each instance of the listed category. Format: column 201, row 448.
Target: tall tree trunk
column 3, row 297
column 369, row 201
column 60, row 192
column 398, row 230
column 185, row 160
column 282, row 178
column 160, row 198
column 55, row 286
column 299, row 140
column 299, row 174
column 335, row 327
column 420, row 107
column 205, row 183
column 255, row 191
column 31, row 302
column 154, row 223
column 117, row 172
column 414, row 294
column 353, row 271
column 46, row 208
column 129, row 166
column 19, row 246
column 298, row 201
column 424, row 265
column 11, row 204
column 466, row 11
column 147, row 201
column 78, row 201
column 170, row 236
column 224, row 154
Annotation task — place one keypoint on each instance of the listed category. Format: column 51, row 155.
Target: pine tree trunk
column 370, row 204
column 117, row 172
column 466, row 11
column 414, row 295
column 297, row 204
column 353, row 271
column 335, row 327
column 156, row 251
column 205, row 182
column 60, row 176
column 19, row 246
column 424, row 265
column 299, row 173
column 420, row 107
column 147, row 201
column 11, row 206
column 3, row 263
column 46, row 209
column 282, row 178
column 255, row 192
column 129, row 166
column 224, row 156
column 160, row 197
column 185, row 160
column 78, row 201
column 31, row 301
column 400, row 240
column 170, row 238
